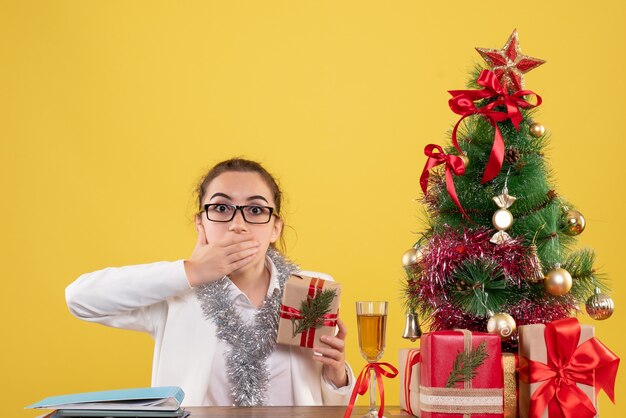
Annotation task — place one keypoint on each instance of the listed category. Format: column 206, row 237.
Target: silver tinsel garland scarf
column 250, row 344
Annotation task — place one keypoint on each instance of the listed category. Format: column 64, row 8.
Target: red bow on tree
column 462, row 103
column 454, row 164
column 590, row 363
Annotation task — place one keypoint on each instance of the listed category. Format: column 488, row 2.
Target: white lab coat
column 156, row 298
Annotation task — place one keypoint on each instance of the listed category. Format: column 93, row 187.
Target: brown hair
column 246, row 166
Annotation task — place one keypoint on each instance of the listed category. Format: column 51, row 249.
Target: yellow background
column 112, row 110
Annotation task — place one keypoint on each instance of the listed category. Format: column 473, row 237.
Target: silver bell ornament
column 412, row 329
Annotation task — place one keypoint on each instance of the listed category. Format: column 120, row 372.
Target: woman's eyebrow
column 257, row 197
column 218, row 194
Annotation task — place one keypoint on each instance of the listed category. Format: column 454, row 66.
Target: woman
column 214, row 315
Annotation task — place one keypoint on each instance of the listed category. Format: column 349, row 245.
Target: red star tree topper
column 509, row 63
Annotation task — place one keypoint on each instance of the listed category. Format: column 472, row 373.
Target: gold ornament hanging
column 501, row 324
column 537, row 130
column 573, row 222
column 502, row 219
column 599, row 306
column 412, row 257
column 558, row 281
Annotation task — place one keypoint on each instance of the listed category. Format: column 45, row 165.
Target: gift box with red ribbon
column 409, row 365
column 309, row 309
column 562, row 369
column 461, row 375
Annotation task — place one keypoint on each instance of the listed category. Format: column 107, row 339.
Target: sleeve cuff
column 182, row 282
column 347, row 389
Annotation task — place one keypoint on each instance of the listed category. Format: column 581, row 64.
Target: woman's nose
column 238, row 224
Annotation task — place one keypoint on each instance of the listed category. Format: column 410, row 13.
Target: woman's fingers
column 241, row 247
column 240, row 263
column 333, row 354
column 233, row 258
column 329, row 353
column 334, row 364
column 241, row 251
column 211, row 261
column 328, row 360
column 334, row 342
column 235, row 243
column 333, row 357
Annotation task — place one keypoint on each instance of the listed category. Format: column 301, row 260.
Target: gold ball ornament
column 537, row 130
column 599, row 306
column 558, row 282
column 411, row 257
column 501, row 324
column 573, row 222
column 502, row 219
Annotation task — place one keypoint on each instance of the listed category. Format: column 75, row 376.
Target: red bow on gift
column 362, row 381
column 462, row 103
column 454, row 164
column 590, row 363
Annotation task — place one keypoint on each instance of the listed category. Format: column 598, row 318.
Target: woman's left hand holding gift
column 333, row 356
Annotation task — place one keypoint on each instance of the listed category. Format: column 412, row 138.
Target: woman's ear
column 276, row 230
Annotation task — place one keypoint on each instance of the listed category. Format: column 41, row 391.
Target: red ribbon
column 413, row 357
column 462, row 103
column 360, row 388
column 454, row 164
column 307, row 338
column 590, row 363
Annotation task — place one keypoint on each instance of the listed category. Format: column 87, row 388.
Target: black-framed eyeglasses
column 252, row 214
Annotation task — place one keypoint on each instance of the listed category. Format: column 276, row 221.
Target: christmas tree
column 498, row 252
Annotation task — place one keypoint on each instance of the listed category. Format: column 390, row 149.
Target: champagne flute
column 372, row 323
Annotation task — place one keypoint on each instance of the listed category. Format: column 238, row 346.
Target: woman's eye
column 221, row 208
column 255, row 210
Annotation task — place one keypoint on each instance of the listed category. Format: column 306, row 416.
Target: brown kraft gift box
column 299, row 289
column 532, row 345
